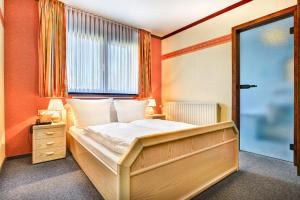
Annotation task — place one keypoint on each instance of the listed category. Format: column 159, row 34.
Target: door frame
column 282, row 14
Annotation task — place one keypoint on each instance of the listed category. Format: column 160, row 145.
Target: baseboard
column 2, row 163
column 2, row 155
column 19, row 156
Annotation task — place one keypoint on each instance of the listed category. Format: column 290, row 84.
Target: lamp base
column 150, row 111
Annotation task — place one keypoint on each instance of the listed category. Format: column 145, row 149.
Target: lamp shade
column 56, row 105
column 151, row 102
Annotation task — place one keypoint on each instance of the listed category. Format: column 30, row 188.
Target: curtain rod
column 95, row 15
column 158, row 37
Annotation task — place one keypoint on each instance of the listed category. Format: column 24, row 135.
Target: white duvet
column 162, row 125
column 119, row 136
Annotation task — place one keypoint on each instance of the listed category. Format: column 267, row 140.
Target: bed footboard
column 180, row 164
column 173, row 165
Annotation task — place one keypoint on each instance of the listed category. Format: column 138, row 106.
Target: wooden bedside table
column 156, row 116
column 48, row 142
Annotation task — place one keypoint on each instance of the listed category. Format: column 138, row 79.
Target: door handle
column 247, row 86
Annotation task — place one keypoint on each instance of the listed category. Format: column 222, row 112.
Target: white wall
column 2, row 130
column 205, row 75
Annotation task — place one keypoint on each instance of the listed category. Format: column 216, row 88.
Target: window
column 102, row 55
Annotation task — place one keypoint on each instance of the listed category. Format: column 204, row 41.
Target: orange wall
column 21, row 74
column 156, row 72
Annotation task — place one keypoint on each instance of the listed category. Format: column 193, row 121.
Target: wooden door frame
column 297, row 46
column 291, row 11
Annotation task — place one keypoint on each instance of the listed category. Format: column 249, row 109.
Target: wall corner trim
column 224, row 10
column 1, row 17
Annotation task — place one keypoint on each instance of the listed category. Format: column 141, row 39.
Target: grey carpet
column 60, row 179
column 259, row 178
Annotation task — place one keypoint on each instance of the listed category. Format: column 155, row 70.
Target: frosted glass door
column 267, row 111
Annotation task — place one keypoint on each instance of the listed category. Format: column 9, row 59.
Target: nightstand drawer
column 49, row 143
column 48, row 133
column 48, row 154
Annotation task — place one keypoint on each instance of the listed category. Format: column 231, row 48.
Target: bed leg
column 124, row 183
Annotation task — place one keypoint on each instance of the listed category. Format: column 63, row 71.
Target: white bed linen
column 162, row 125
column 108, row 157
column 119, row 136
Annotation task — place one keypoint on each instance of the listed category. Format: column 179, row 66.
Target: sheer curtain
column 102, row 55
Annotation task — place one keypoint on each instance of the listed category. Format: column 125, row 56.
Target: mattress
column 107, row 157
column 119, row 136
column 162, row 125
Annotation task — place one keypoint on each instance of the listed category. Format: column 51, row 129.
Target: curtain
column 102, row 55
column 52, row 49
column 145, row 68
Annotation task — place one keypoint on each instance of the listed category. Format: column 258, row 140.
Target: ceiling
column 160, row 17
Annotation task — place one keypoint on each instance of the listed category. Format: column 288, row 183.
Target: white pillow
column 90, row 112
column 113, row 113
column 130, row 110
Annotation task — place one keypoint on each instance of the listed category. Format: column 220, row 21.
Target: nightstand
column 48, row 142
column 156, row 116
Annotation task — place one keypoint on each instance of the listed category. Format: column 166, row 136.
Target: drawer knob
column 50, row 143
column 50, row 133
column 49, row 153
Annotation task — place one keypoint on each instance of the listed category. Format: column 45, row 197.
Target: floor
column 259, row 178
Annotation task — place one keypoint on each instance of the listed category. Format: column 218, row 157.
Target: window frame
column 106, row 66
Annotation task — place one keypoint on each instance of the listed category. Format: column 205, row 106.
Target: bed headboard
column 69, row 116
column 197, row 113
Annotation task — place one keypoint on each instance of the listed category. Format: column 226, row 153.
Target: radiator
column 192, row 112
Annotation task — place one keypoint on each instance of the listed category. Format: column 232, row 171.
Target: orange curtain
column 145, row 68
column 52, row 49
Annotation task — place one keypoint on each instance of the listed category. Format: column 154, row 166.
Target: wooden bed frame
column 172, row 165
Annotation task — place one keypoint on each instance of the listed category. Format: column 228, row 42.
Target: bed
column 176, row 164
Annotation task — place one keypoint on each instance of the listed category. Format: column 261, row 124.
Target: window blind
column 102, row 55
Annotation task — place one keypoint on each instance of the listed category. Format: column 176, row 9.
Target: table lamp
column 57, row 106
column 151, row 105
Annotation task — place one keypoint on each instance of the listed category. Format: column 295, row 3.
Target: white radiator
column 192, row 112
